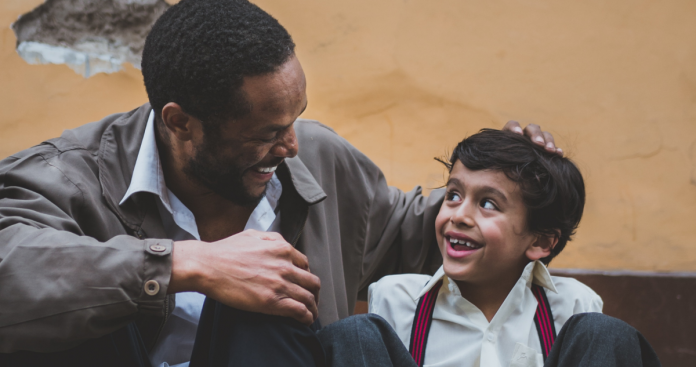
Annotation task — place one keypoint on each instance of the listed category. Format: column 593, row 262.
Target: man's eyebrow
column 274, row 128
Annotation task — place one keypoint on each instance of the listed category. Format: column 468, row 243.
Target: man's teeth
column 267, row 169
column 455, row 241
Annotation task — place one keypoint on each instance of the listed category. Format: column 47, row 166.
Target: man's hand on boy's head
column 534, row 132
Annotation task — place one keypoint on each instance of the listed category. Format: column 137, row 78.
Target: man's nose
column 286, row 147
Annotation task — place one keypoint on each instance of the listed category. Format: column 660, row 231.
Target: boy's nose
column 463, row 216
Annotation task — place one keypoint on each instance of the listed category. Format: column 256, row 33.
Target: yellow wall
column 404, row 81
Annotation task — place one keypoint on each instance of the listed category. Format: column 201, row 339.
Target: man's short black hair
column 552, row 187
column 199, row 51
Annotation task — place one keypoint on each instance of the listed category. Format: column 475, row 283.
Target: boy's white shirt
column 460, row 335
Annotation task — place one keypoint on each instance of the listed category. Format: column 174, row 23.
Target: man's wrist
column 186, row 272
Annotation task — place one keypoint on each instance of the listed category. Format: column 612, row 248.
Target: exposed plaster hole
column 90, row 36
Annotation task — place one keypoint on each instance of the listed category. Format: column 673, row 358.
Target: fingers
column 550, row 143
column 513, row 126
column 306, row 299
column 307, row 281
column 298, row 259
column 535, row 134
column 289, row 307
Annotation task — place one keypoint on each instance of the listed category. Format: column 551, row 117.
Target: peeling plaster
column 89, row 36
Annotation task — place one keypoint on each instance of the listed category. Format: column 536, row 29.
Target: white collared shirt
column 460, row 334
column 175, row 343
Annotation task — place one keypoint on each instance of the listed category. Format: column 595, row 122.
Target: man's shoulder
column 72, row 157
column 315, row 136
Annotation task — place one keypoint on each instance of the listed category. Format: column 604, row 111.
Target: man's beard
column 223, row 178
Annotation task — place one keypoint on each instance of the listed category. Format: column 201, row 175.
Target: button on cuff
column 158, row 247
column 152, row 287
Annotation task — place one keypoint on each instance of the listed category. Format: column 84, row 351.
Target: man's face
column 481, row 227
column 238, row 163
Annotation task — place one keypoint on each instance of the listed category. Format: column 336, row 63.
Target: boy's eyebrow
column 495, row 192
column 483, row 190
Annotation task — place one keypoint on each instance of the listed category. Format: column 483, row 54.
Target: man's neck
column 216, row 217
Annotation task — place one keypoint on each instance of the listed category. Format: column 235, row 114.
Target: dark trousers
column 229, row 337
column 121, row 348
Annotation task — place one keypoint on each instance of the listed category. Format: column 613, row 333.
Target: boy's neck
column 489, row 296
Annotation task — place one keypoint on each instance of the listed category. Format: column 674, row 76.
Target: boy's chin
column 457, row 271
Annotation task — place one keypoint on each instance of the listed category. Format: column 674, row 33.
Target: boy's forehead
column 478, row 179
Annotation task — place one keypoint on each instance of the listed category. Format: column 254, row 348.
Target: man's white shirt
column 460, row 334
column 175, row 343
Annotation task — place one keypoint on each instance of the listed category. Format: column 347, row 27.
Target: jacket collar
column 535, row 272
column 118, row 153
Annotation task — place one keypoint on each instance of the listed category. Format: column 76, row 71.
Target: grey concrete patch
column 90, row 36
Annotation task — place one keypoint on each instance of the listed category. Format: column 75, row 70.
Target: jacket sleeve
column 58, row 286
column 400, row 226
column 400, row 235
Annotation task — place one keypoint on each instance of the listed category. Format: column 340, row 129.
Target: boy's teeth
column 455, row 241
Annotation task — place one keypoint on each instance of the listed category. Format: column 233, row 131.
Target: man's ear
column 542, row 247
column 178, row 123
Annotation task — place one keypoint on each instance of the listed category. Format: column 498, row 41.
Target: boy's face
column 481, row 228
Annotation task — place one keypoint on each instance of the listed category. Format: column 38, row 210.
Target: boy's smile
column 481, row 228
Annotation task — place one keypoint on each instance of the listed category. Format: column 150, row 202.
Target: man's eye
column 453, row 196
column 487, row 204
column 270, row 140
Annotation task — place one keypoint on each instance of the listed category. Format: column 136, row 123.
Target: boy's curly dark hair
column 552, row 187
column 199, row 51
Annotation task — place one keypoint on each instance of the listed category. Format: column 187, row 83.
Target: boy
column 510, row 208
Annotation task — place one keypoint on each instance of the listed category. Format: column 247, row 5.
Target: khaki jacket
column 74, row 263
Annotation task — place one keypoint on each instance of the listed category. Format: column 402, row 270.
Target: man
column 111, row 234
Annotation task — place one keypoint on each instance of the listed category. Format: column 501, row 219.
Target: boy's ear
column 542, row 247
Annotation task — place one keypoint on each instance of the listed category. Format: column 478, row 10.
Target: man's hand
column 534, row 133
column 251, row 271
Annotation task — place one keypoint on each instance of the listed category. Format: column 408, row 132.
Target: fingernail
column 519, row 130
column 549, row 145
column 539, row 139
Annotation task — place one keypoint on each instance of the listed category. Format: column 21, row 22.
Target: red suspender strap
column 421, row 324
column 543, row 319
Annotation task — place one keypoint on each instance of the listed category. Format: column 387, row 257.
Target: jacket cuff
column 157, row 271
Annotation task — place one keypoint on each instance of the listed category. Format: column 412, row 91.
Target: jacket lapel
column 300, row 190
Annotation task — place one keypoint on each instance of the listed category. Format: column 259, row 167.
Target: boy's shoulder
column 395, row 289
column 572, row 294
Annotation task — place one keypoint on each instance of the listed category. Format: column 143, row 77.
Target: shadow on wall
column 90, row 36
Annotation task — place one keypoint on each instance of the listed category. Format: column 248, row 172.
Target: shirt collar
column 148, row 177
column 147, row 173
column 535, row 272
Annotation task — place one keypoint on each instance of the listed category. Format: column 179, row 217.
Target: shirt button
column 152, row 287
column 491, row 338
column 157, row 248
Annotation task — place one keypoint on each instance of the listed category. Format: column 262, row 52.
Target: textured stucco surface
column 90, row 36
column 615, row 82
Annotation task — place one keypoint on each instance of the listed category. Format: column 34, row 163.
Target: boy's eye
column 487, row 204
column 453, row 196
